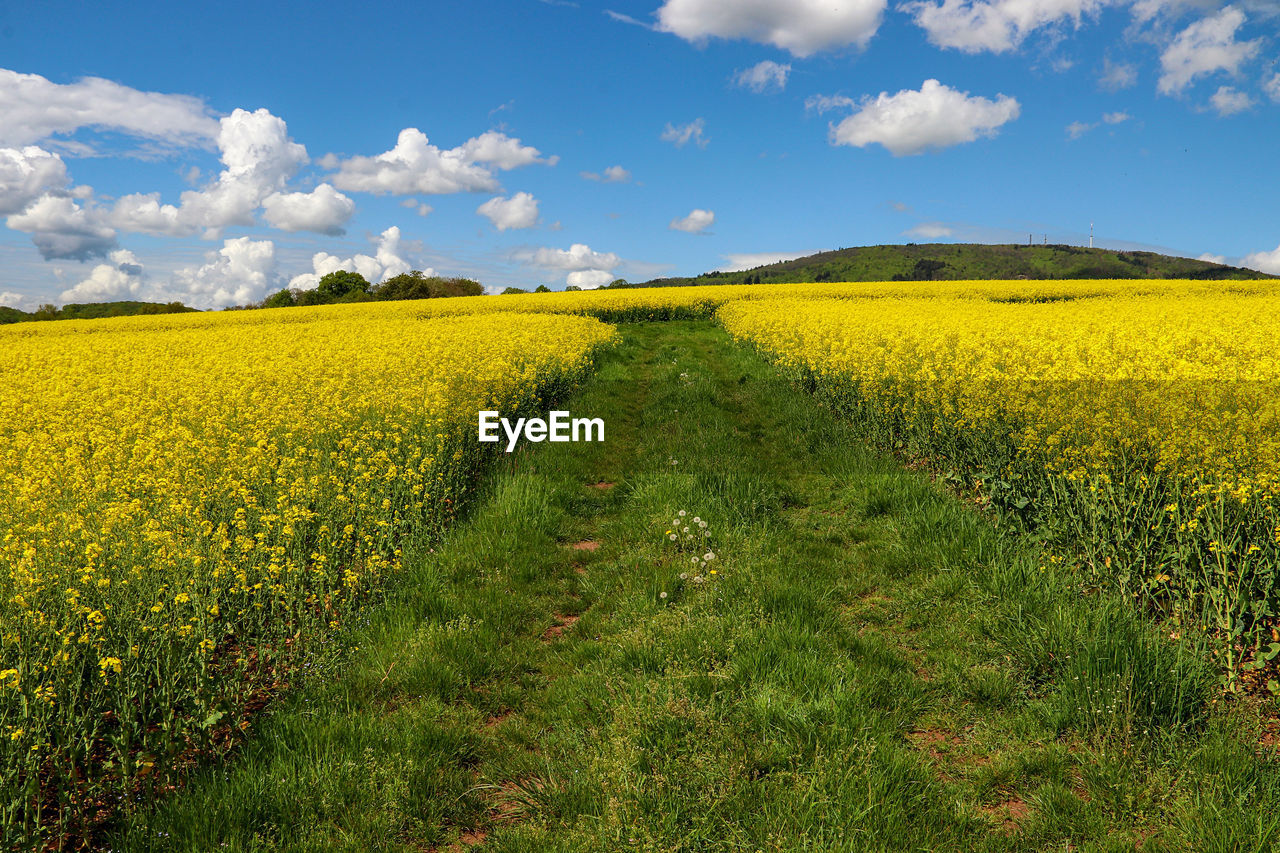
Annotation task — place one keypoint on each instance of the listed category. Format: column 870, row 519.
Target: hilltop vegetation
column 968, row 261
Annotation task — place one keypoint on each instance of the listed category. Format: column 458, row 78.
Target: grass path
column 870, row 668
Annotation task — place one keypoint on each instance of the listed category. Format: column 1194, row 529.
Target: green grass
column 873, row 667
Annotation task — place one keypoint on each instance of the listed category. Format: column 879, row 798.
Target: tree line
column 342, row 286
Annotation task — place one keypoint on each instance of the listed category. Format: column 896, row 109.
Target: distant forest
column 91, row 311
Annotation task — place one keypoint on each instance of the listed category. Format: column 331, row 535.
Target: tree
column 618, row 282
column 417, row 285
column 510, row 290
column 572, row 287
column 339, row 283
column 542, row 288
column 282, row 298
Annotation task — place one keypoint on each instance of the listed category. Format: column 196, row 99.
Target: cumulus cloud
column 35, row 108
column 1116, row 117
column 696, row 222
column 994, row 25
column 258, row 159
column 935, row 116
column 1117, row 75
column 611, row 175
column 1268, row 262
column 26, row 174
column 929, row 231
column 61, row 228
column 751, row 260
column 9, row 299
column 802, row 27
column 579, row 257
column 386, row 262
column 1207, row 46
column 1228, row 101
column 107, row 282
column 415, row 166
column 502, row 152
column 588, row 279
column 324, row 209
column 763, row 77
column 519, row 211
column 242, row 271
column 1212, row 258
column 685, row 133
column 584, row 267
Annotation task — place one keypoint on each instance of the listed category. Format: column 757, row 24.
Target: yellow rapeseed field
column 1137, row 425
column 175, row 491
column 183, row 496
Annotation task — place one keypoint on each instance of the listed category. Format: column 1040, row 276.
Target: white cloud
column 611, row 175
column 415, row 166
column 1077, row 129
column 589, row 279
column 585, row 267
column 9, row 299
column 681, row 136
column 627, row 19
column 502, row 152
column 107, row 282
column 242, row 271
column 35, row 108
column 751, row 260
column 1271, row 87
column 1228, row 101
column 826, row 103
column 385, row 263
column 324, row 209
column 26, row 174
column 1212, row 258
column 1117, row 75
column 577, row 257
column 519, row 211
column 1207, row 46
column 258, row 159
column 696, row 222
column 418, row 208
column 995, row 25
column 802, row 27
column 61, row 228
column 911, row 122
column 929, row 231
column 1268, row 262
column 763, row 77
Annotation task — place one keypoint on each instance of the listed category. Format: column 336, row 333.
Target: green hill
column 92, row 311
column 961, row 261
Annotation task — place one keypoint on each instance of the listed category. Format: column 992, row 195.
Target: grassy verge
column 870, row 667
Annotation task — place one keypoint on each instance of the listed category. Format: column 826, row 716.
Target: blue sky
column 218, row 154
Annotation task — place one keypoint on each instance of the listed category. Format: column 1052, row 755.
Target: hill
column 961, row 261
